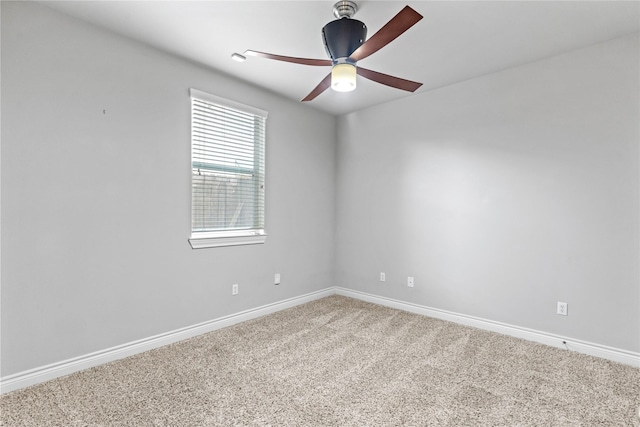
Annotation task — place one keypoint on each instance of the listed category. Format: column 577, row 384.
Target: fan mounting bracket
column 345, row 8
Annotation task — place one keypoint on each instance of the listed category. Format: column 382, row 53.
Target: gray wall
column 502, row 195
column 96, row 206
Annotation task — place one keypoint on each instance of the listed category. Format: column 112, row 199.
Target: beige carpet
column 339, row 362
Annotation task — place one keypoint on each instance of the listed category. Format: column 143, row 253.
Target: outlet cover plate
column 562, row 309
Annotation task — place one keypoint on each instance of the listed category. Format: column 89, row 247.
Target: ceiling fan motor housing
column 342, row 37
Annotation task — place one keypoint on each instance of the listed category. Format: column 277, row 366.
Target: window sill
column 218, row 239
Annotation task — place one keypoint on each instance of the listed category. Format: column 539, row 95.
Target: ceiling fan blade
column 322, row 86
column 303, row 61
column 388, row 80
column 400, row 23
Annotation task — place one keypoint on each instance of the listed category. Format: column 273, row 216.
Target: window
column 227, row 172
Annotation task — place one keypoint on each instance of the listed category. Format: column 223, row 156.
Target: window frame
column 230, row 237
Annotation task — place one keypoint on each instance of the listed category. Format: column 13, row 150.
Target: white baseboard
column 604, row 352
column 66, row 367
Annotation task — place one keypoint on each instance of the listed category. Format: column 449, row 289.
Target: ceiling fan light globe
column 343, row 77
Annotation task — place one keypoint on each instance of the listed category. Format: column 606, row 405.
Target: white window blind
column 227, row 163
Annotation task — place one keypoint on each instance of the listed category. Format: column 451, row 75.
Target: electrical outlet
column 234, row 289
column 563, row 308
column 383, row 277
column 276, row 280
column 410, row 282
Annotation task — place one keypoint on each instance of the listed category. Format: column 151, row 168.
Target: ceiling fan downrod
column 344, row 9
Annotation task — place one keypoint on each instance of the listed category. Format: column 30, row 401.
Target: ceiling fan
column 344, row 41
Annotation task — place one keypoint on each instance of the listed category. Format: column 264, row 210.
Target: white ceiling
column 456, row 40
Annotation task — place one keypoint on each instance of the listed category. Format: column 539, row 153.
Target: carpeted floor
column 339, row 362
